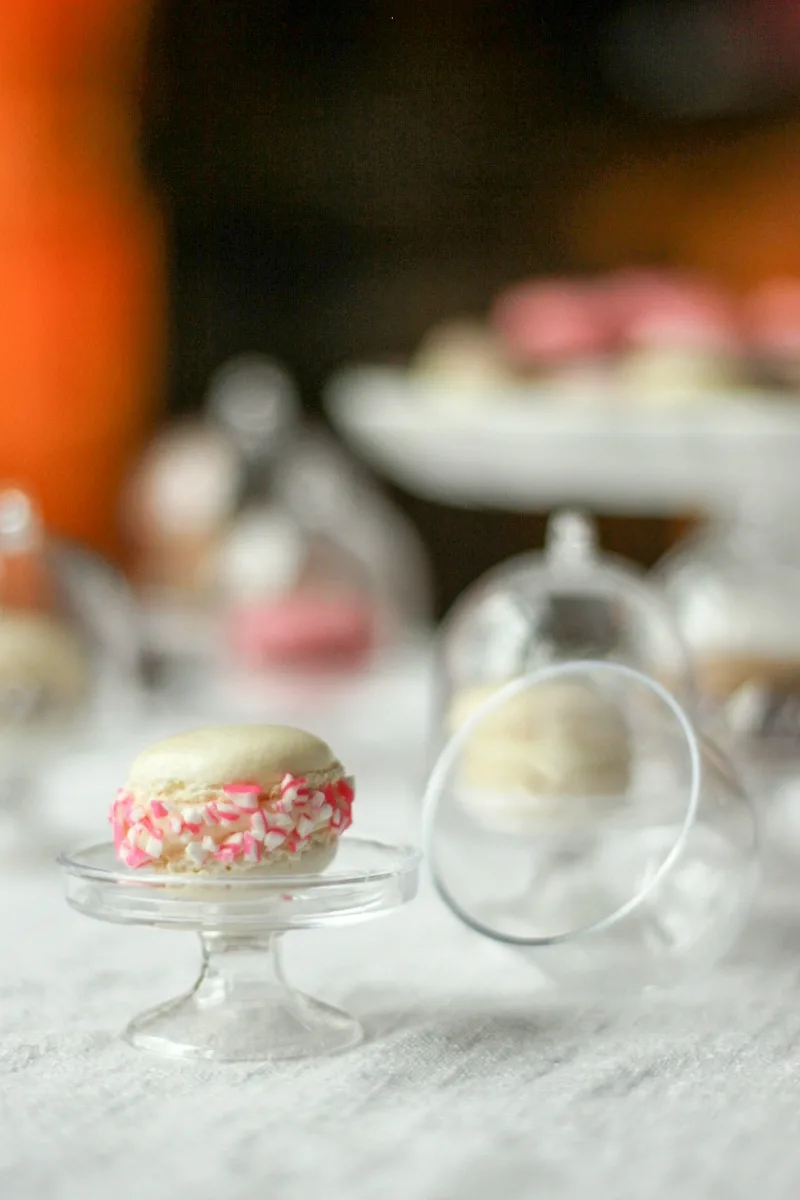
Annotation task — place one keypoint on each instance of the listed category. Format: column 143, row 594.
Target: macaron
column 459, row 360
column 313, row 630
column 670, row 307
column 559, row 741
column 268, row 798
column 546, row 323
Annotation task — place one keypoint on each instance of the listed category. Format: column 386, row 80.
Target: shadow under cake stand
column 242, row 1008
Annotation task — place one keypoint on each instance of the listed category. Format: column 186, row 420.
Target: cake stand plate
column 528, row 448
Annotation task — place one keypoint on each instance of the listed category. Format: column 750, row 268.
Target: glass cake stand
column 242, row 1008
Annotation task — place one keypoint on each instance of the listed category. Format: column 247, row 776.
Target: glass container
column 319, row 571
column 734, row 589
column 577, row 816
column 70, row 652
column 568, row 602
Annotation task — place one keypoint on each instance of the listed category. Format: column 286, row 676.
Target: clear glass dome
column 322, row 571
column 577, row 817
column 734, row 588
column 566, row 603
column 70, row 652
column 261, row 545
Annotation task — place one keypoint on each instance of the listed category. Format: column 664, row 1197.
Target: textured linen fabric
column 473, row 1082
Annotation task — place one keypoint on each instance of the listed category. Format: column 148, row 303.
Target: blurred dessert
column 197, row 474
column 461, row 360
column 262, row 556
column 44, row 665
column 749, row 636
column 557, row 741
column 773, row 318
column 304, row 629
column 343, row 508
column 735, row 591
column 292, row 598
column 679, row 338
column 629, row 292
column 649, row 336
column 555, row 331
column 722, row 675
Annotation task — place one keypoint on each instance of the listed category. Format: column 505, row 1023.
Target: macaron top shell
column 231, row 754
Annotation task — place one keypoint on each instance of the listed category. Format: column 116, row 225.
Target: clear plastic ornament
column 577, row 816
column 734, row 589
column 320, row 571
column 567, row 603
column 178, row 505
column 70, row 651
column 185, row 496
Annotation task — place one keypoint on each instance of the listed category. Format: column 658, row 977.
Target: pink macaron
column 668, row 310
column 547, row 323
column 773, row 318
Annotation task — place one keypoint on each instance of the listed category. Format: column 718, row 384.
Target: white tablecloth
column 472, row 1083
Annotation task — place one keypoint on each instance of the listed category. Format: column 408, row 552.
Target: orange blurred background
column 82, row 288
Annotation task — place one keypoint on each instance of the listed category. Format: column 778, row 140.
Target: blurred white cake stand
column 532, row 447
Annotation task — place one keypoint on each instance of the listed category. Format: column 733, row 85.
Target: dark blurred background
column 339, row 176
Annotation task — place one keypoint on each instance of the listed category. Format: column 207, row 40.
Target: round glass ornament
column 577, row 816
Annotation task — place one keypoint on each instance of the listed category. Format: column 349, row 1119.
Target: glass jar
column 317, row 570
column 734, row 588
column 70, row 654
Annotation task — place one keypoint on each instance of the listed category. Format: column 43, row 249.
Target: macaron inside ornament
column 292, row 600
column 179, row 502
column 542, row 753
column 44, row 669
column 238, row 798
